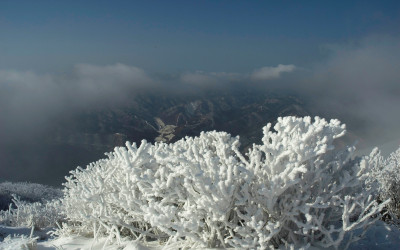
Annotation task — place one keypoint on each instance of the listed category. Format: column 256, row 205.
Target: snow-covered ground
column 74, row 243
column 381, row 236
column 20, row 238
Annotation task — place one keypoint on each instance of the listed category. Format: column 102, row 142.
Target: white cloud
column 206, row 79
column 27, row 78
column 111, row 74
column 28, row 97
column 197, row 78
column 29, row 100
column 267, row 73
column 360, row 82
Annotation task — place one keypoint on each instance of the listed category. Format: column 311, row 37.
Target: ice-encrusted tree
column 387, row 174
column 161, row 191
column 294, row 189
column 302, row 191
column 39, row 215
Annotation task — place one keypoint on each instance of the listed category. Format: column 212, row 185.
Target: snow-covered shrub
column 300, row 190
column 18, row 242
column 31, row 192
column 294, row 189
column 37, row 214
column 387, row 173
column 162, row 191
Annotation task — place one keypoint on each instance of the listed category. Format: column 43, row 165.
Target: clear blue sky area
column 174, row 36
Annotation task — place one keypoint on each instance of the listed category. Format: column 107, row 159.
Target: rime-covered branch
column 293, row 189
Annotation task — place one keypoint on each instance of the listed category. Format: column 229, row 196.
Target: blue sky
column 176, row 36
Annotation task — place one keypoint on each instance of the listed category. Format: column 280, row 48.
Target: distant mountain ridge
column 77, row 140
column 170, row 118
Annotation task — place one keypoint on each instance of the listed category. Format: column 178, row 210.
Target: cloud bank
column 30, row 101
column 267, row 73
column 201, row 78
column 357, row 82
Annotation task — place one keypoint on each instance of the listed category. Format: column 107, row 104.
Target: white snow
column 78, row 242
column 380, row 236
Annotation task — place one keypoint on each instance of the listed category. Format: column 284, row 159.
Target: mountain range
column 85, row 136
